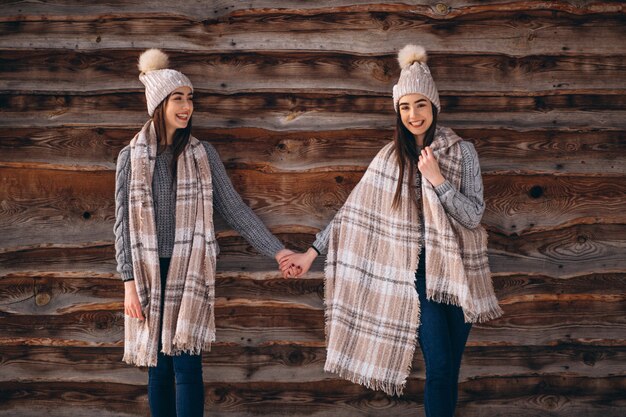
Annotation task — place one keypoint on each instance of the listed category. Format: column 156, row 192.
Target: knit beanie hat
column 415, row 76
column 158, row 79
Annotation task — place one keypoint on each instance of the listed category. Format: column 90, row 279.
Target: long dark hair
column 181, row 136
column 407, row 153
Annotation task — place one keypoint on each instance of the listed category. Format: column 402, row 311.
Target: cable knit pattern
column 226, row 201
column 465, row 205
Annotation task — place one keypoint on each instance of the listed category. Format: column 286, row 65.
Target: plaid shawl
column 188, row 317
column 372, row 308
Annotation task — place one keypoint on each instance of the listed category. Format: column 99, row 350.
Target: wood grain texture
column 501, row 151
column 302, row 112
column 286, row 363
column 59, row 72
column 31, row 10
column 330, row 102
column 538, row 395
column 512, row 33
column 574, row 251
column 262, row 323
column 77, row 207
column 59, row 295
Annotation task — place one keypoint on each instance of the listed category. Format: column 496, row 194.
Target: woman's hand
column 429, row 167
column 281, row 257
column 299, row 262
column 132, row 307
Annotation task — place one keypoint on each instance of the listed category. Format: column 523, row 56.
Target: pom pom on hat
column 411, row 54
column 152, row 60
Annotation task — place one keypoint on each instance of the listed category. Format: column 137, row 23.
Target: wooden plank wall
column 296, row 96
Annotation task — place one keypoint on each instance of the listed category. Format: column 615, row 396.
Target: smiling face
column 416, row 114
column 178, row 109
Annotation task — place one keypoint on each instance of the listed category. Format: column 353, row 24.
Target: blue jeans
column 186, row 399
column 175, row 387
column 442, row 336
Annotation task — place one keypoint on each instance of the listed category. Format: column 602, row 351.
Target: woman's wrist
column 312, row 252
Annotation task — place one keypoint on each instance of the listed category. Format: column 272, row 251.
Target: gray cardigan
column 465, row 205
column 225, row 200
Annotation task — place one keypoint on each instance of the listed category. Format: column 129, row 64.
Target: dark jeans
column 175, row 387
column 442, row 336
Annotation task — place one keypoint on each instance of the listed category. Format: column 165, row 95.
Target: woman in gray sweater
column 167, row 185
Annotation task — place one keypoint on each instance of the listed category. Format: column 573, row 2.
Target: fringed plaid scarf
column 188, row 317
column 372, row 308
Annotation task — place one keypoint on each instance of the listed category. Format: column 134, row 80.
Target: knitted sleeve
column 121, row 228
column 321, row 239
column 237, row 213
column 465, row 205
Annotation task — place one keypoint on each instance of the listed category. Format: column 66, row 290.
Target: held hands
column 285, row 266
column 295, row 265
column 429, row 167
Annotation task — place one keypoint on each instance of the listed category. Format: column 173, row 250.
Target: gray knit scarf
column 188, row 317
column 372, row 308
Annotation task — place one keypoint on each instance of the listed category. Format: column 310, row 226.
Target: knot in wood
column 42, row 298
column 536, row 191
column 442, row 8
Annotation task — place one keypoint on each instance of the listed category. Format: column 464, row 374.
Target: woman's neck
column 419, row 139
column 169, row 136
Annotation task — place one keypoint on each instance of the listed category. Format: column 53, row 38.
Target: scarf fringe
column 492, row 312
column 131, row 358
column 368, row 382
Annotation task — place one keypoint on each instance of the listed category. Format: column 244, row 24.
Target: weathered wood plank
column 533, row 395
column 519, row 204
column 37, row 296
column 330, row 102
column 549, row 152
column 62, row 72
column 30, row 10
column 237, row 259
column 517, row 34
column 315, row 112
column 289, row 363
column 262, row 323
column 60, row 295
column 569, row 252
column 561, row 253
column 501, row 151
column 77, row 207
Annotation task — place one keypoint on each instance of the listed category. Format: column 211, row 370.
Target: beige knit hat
column 158, row 79
column 415, row 76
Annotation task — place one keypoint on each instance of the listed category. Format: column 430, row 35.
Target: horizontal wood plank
column 536, row 395
column 593, row 153
column 569, row 252
column 291, row 363
column 76, row 71
column 77, row 207
column 61, row 295
column 318, row 112
column 20, row 10
column 264, row 323
column 513, row 33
